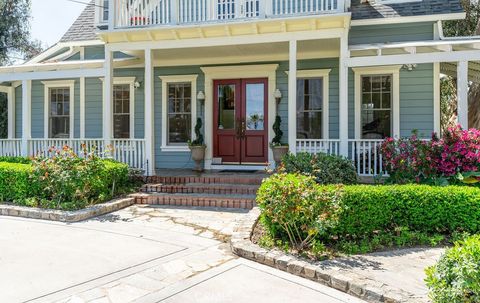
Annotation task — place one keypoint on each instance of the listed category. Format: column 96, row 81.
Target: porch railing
column 10, row 148
column 315, row 146
column 129, row 151
column 143, row 13
column 365, row 154
column 367, row 157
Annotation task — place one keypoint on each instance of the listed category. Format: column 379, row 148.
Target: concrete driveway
column 140, row 254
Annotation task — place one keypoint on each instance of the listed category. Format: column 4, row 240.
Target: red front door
column 240, row 121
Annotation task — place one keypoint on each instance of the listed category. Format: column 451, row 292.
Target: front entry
column 240, row 132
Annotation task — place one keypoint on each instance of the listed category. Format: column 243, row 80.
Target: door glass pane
column 255, row 109
column 226, row 106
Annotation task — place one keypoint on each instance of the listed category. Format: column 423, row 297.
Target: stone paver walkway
column 141, row 254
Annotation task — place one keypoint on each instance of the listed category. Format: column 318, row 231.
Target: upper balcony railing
column 146, row 13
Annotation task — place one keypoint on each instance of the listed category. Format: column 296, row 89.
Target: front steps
column 208, row 190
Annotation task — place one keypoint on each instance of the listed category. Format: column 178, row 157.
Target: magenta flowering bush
column 439, row 160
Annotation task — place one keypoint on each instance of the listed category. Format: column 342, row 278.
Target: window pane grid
column 59, row 119
column 376, row 106
column 179, row 115
column 121, row 111
column 309, row 108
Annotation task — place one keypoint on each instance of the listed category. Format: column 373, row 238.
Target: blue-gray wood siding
column 391, row 33
column 93, row 108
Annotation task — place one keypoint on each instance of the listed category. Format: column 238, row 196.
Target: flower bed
column 454, row 158
column 65, row 181
column 302, row 215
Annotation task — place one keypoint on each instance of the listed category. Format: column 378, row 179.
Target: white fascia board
column 61, row 45
column 409, row 19
column 45, row 75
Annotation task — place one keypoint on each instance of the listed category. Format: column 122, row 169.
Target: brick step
column 208, row 179
column 201, row 188
column 199, row 200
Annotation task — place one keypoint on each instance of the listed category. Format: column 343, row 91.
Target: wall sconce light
column 409, row 67
column 277, row 95
column 201, row 97
column 136, row 84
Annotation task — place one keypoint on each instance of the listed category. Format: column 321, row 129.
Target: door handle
column 238, row 128
column 244, row 128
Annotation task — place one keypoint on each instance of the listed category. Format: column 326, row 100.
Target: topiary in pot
column 197, row 146
column 279, row 149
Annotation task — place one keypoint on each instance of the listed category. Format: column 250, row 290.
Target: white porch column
column 343, row 96
column 82, row 107
column 11, row 112
column 111, row 13
column 292, row 97
column 107, row 98
column 26, row 115
column 462, row 93
column 149, row 113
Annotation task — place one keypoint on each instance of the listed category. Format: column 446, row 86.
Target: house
column 136, row 74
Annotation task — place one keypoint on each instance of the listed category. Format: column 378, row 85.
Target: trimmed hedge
column 22, row 160
column 431, row 209
column 367, row 216
column 15, row 182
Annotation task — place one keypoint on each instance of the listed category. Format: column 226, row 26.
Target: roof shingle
column 374, row 10
column 83, row 28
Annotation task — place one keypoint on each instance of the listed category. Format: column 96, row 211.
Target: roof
column 373, row 9
column 83, row 29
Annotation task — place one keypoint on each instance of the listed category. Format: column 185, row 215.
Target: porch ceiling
column 263, row 52
column 221, row 29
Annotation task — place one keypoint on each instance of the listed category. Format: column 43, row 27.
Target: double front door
column 240, row 121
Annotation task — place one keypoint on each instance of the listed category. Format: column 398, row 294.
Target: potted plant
column 279, row 149
column 197, row 147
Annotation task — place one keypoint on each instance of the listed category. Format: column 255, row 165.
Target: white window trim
column 393, row 70
column 10, row 91
column 177, row 79
column 119, row 81
column 325, row 75
column 58, row 84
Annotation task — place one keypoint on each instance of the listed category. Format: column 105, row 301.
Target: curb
column 66, row 216
column 348, row 282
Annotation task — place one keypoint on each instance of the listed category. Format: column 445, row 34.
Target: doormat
column 239, row 171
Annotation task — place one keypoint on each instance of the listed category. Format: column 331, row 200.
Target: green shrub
column 15, row 182
column 72, row 182
column 368, row 209
column 362, row 218
column 64, row 181
column 327, row 169
column 456, row 277
column 22, row 160
column 295, row 208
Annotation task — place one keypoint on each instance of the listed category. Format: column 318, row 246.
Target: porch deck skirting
column 129, row 151
column 365, row 154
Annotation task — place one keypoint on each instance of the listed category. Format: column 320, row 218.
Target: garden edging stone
column 340, row 279
column 66, row 216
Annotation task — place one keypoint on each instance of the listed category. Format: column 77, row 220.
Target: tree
column 470, row 26
column 15, row 39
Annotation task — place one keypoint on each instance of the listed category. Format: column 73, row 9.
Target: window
column 309, row 108
column 178, row 111
column 59, row 121
column 121, row 111
column 376, row 115
column 377, row 102
column 179, row 116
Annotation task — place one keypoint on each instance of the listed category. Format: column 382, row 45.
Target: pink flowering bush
column 444, row 160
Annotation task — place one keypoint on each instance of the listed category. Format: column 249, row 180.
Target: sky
column 52, row 18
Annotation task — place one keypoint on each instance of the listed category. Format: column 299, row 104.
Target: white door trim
column 237, row 72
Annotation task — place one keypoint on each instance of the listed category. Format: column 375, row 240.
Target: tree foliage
column 15, row 39
column 470, row 26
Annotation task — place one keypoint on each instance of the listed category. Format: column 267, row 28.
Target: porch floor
column 210, row 173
